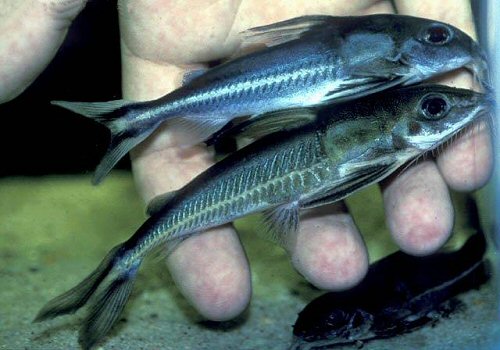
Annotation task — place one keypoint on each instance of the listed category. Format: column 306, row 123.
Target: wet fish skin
column 348, row 146
column 309, row 61
column 400, row 293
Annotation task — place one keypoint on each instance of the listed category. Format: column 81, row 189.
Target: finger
column 466, row 164
column 211, row 270
column 418, row 208
column 30, row 27
column 329, row 251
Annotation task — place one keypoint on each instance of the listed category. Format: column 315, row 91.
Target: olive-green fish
column 348, row 147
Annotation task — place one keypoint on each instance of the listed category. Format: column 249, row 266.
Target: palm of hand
column 162, row 38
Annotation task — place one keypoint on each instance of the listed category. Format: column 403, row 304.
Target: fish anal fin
column 269, row 123
column 264, row 124
column 194, row 130
column 281, row 223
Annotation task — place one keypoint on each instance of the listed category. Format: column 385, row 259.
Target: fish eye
column 437, row 34
column 434, row 107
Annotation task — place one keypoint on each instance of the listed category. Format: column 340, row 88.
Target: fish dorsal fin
column 281, row 223
column 159, row 202
column 282, row 32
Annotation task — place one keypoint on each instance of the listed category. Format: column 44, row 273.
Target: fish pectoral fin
column 281, row 223
column 159, row 202
column 364, row 83
column 264, row 124
column 285, row 31
column 388, row 68
column 357, row 176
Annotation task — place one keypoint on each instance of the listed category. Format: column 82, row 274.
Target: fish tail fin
column 118, row 117
column 106, row 306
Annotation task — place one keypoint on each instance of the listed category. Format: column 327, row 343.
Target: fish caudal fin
column 117, row 116
column 106, row 309
column 106, row 306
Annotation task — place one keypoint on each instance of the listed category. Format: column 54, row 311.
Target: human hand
column 161, row 39
column 32, row 31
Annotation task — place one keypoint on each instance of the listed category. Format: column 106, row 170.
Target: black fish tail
column 106, row 306
column 118, row 117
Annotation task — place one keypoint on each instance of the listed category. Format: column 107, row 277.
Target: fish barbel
column 349, row 146
column 308, row 61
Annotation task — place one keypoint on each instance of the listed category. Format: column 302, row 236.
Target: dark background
column 38, row 138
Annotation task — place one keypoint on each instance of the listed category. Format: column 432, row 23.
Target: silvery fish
column 349, row 146
column 308, row 61
column 400, row 293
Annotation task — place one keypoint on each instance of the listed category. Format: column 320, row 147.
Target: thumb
column 32, row 31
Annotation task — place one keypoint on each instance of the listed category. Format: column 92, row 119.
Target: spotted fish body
column 348, row 147
column 309, row 61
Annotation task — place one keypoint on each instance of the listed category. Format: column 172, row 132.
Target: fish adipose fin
column 285, row 31
column 191, row 75
column 281, row 223
column 114, row 115
column 158, row 202
column 106, row 306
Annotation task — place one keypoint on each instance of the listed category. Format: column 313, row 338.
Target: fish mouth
column 484, row 113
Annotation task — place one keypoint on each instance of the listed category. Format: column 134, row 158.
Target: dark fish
column 348, row 147
column 401, row 293
column 309, row 61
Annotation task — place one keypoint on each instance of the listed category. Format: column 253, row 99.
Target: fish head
column 341, row 325
column 431, row 47
column 430, row 115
